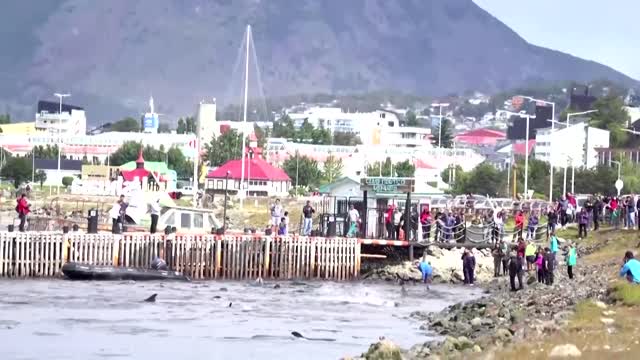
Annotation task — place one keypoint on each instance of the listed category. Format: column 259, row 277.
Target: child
column 571, row 260
column 286, row 222
column 282, row 227
column 540, row 265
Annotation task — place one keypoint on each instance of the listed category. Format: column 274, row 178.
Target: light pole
column 224, row 212
column 569, row 115
column 524, row 115
column 440, row 105
column 553, row 118
column 60, row 96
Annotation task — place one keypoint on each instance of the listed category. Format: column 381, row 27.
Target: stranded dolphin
column 300, row 336
column 151, row 298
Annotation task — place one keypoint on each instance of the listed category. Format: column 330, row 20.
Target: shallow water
column 58, row 319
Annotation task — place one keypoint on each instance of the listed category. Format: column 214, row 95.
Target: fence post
column 116, row 249
column 65, row 248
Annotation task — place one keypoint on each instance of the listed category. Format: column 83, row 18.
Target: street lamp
column 224, row 212
column 619, row 165
column 440, row 105
column 60, row 96
column 524, row 115
column 569, row 115
column 553, row 117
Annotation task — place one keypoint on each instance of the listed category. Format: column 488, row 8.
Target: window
column 171, row 219
column 185, row 220
column 219, row 184
column 198, row 221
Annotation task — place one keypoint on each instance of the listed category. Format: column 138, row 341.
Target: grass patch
column 626, row 293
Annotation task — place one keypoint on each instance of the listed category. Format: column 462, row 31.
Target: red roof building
column 260, row 177
column 520, row 149
column 140, row 172
column 486, row 137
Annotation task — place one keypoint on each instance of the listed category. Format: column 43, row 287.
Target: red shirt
column 23, row 206
column 519, row 221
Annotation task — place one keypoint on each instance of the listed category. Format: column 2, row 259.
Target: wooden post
column 407, row 225
column 365, row 214
column 218, row 251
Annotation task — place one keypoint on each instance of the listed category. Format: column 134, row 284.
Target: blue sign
column 150, row 121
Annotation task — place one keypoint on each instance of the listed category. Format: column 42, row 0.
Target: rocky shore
column 476, row 328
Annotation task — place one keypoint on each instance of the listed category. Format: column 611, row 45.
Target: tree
column 40, row 177
column 284, row 128
column 443, row 131
column 332, row 169
column 190, row 123
column 346, row 138
column 404, row 169
column 182, row 126
column 5, row 119
column 45, row 152
column 411, row 119
column 401, row 169
column 128, row 151
column 303, row 170
column 67, row 181
column 127, row 124
column 177, row 162
column 611, row 116
column 224, row 148
column 321, row 136
column 261, row 135
column 484, row 180
column 17, row 169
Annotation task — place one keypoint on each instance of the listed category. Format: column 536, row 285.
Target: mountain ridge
column 112, row 55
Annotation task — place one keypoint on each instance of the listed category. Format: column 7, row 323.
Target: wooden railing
column 41, row 254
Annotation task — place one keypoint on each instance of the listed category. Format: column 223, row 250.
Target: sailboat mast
column 243, row 191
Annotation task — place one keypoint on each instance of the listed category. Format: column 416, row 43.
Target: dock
column 201, row 257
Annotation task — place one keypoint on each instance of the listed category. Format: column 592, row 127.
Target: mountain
column 111, row 55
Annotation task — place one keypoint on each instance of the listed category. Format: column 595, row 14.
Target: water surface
column 58, row 319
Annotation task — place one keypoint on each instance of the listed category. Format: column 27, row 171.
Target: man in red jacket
column 22, row 208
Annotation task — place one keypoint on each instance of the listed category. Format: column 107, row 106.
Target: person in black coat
column 549, row 265
column 468, row 267
column 515, row 271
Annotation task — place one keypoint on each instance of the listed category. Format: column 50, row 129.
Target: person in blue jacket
column 427, row 272
column 631, row 268
column 553, row 243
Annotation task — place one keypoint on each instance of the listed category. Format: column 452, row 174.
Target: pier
column 246, row 257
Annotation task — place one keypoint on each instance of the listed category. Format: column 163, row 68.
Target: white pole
column 564, row 187
column 526, row 161
column 440, row 127
column 242, row 192
column 573, row 177
column 553, row 119
column 196, row 159
column 59, row 147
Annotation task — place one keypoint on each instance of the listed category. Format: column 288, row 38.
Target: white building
column 70, row 121
column 374, row 128
column 207, row 124
column 572, row 146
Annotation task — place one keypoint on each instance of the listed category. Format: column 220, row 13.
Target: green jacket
column 572, row 257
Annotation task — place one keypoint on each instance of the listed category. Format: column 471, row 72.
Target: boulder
column 564, row 351
column 383, row 350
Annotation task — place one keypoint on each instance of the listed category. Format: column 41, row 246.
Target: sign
column 150, row 121
column 619, row 184
column 387, row 184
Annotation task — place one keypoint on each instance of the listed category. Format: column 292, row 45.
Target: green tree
column 224, row 148
column 261, row 135
column 190, row 125
column 411, row 119
column 40, row 176
column 346, row 138
column 445, row 132
column 128, row 151
column 321, row 136
column 611, row 116
column 332, row 169
column 127, row 124
column 303, row 171
column 5, row 119
column 484, row 180
column 17, row 169
column 304, row 133
column 67, row 181
column 404, row 169
column 45, row 152
column 182, row 126
column 284, row 128
column 177, row 162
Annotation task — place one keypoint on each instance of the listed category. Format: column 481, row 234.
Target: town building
column 68, row 168
column 571, row 146
column 206, row 122
column 606, row 156
column 59, row 119
column 260, row 178
column 480, row 137
column 21, row 128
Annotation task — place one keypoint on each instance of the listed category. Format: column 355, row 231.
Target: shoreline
column 478, row 328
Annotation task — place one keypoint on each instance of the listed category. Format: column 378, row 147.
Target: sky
column 605, row 31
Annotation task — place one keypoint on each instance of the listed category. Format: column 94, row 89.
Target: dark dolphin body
column 300, row 336
column 151, row 298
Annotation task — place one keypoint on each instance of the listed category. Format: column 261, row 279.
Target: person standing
column 155, row 214
column 519, row 225
column 276, row 215
column 307, row 212
column 583, row 223
column 425, row 222
column 22, row 208
column 388, row 222
column 597, row 212
column 540, row 265
column 553, row 244
column 552, row 220
column 515, row 271
column 468, row 266
column 497, row 259
column 532, row 225
column 549, row 266
column 571, row 260
column 426, row 270
column 354, row 220
column 563, row 206
column 504, row 251
column 530, row 255
column 397, row 220
column 122, row 213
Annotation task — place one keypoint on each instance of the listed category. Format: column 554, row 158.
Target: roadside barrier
column 42, row 254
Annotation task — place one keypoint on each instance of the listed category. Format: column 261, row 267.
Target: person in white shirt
column 154, row 208
column 276, row 215
column 354, row 220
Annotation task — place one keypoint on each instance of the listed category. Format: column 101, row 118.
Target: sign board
column 150, row 122
column 619, row 184
column 387, row 184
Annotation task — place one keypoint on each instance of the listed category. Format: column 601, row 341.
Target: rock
column 532, row 280
column 566, row 350
column 476, row 349
column 607, row 321
column 476, row 322
column 503, row 335
column 383, row 350
column 600, row 304
column 608, row 313
column 450, row 344
column 464, row 343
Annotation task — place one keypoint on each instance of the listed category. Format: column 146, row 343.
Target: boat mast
column 243, row 190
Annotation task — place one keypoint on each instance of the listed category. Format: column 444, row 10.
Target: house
column 60, row 118
column 343, row 187
column 480, row 137
column 71, row 168
column 571, row 146
column 260, row 178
